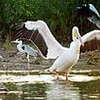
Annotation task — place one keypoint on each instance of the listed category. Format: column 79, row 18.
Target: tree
column 60, row 15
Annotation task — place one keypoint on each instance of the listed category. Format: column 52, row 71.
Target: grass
column 7, row 45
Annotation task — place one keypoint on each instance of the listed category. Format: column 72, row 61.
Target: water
column 45, row 87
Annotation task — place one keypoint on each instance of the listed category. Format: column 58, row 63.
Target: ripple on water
column 46, row 78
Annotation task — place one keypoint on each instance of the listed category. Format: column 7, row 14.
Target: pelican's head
column 19, row 41
column 76, row 35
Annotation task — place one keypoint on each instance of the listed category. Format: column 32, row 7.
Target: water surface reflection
column 55, row 90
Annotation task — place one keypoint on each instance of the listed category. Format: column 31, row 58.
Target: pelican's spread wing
column 91, row 35
column 91, row 41
column 43, row 39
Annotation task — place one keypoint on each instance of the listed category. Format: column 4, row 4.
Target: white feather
column 54, row 48
column 91, row 35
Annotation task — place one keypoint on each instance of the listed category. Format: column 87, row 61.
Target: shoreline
column 11, row 61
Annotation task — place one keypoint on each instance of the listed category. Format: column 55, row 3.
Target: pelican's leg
column 66, row 74
column 56, row 73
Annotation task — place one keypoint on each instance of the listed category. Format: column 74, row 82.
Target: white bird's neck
column 75, row 46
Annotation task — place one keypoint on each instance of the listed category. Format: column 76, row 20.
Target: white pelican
column 26, row 49
column 65, row 58
column 91, row 13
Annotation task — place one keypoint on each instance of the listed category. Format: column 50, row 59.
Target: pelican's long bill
column 82, row 43
column 76, row 35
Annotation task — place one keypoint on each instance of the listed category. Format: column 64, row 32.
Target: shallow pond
column 81, row 86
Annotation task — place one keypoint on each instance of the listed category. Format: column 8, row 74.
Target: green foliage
column 60, row 15
column 7, row 44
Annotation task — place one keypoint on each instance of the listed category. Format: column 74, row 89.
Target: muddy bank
column 10, row 60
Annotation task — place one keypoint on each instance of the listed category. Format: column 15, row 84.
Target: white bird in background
column 65, row 58
column 91, row 13
column 26, row 49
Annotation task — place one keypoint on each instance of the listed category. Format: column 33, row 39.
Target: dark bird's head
column 21, row 41
column 90, row 12
column 18, row 41
column 87, row 10
column 83, row 10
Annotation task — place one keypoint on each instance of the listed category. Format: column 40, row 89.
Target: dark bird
column 26, row 49
column 90, row 12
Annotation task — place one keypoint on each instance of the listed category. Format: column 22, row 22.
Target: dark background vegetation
column 60, row 15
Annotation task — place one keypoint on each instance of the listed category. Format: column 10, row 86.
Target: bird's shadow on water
column 62, row 89
column 84, row 89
